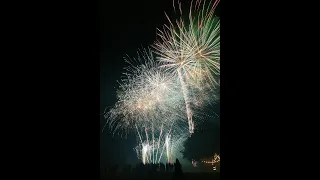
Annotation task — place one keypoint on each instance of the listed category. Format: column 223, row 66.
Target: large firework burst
column 148, row 96
column 191, row 50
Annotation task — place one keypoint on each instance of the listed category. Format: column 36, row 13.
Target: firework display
column 169, row 85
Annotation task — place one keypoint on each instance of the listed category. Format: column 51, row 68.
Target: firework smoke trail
column 187, row 102
column 139, row 134
column 192, row 51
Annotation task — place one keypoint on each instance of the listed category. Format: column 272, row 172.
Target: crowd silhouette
column 150, row 170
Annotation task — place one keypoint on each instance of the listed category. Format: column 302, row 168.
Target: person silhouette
column 167, row 167
column 162, row 167
column 171, row 167
column 178, row 174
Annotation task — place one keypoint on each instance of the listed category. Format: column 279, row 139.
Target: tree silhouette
column 203, row 143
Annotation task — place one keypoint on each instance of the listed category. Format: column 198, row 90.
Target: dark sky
column 122, row 32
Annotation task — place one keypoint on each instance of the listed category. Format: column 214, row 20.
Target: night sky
column 132, row 27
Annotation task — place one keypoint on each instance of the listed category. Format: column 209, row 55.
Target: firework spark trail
column 159, row 141
column 146, row 131
column 144, row 153
column 139, row 134
column 152, row 143
column 168, row 147
column 164, row 147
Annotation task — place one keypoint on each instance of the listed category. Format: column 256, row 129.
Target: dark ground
column 163, row 176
